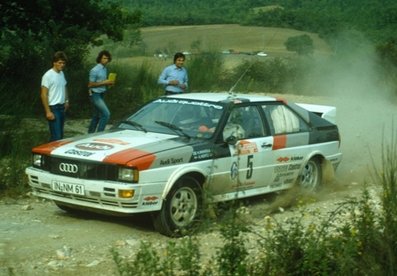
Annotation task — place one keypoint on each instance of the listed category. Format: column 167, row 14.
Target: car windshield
column 191, row 118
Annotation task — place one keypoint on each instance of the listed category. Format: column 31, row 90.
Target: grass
column 357, row 237
column 221, row 37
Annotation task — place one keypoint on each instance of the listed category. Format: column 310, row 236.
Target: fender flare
column 177, row 174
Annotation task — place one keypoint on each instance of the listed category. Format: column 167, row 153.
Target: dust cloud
column 354, row 83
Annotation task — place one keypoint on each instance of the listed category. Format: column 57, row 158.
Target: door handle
column 267, row 145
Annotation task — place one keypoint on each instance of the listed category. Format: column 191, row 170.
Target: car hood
column 122, row 147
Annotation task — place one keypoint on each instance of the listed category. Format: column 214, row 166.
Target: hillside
column 222, row 37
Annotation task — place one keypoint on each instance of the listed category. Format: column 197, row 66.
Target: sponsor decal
column 296, row 158
column 79, row 152
column 246, row 147
column 189, row 102
column 150, row 200
column 294, row 167
column 112, row 141
column 202, row 154
column 280, row 168
column 94, row 146
column 278, row 176
column 234, row 170
column 283, row 159
column 171, row 161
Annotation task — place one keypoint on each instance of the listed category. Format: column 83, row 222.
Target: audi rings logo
column 68, row 168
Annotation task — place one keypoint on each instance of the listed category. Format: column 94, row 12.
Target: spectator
column 174, row 77
column 97, row 86
column 54, row 96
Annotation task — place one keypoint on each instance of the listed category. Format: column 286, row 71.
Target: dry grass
column 216, row 38
column 221, row 37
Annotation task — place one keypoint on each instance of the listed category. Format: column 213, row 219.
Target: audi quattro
column 177, row 152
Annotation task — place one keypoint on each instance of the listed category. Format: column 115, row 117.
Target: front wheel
column 181, row 210
column 310, row 178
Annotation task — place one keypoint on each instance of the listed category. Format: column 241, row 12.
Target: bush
column 15, row 150
column 357, row 238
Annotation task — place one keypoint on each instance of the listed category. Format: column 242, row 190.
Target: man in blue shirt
column 174, row 77
column 98, row 84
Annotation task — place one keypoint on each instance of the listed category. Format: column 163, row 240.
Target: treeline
column 193, row 12
column 377, row 19
column 374, row 20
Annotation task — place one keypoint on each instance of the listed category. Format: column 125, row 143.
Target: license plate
column 69, row 188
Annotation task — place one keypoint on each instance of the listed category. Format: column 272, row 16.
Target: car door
column 246, row 166
column 290, row 144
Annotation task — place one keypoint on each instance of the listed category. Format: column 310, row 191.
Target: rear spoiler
column 324, row 111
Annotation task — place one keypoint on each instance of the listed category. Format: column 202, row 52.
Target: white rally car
column 177, row 153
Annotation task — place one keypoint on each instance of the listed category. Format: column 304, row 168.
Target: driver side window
column 244, row 123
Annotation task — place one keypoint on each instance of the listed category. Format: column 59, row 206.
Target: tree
column 302, row 44
column 32, row 30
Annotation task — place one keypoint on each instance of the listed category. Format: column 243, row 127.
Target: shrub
column 357, row 237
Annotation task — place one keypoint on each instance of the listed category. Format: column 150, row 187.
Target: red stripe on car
column 279, row 142
column 133, row 158
column 46, row 149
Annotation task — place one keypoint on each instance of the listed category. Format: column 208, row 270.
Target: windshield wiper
column 173, row 127
column 134, row 124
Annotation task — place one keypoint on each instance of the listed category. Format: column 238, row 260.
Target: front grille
column 78, row 169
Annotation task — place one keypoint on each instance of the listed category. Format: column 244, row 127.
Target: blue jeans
column 56, row 125
column 101, row 113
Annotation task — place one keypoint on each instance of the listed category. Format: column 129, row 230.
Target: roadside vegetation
column 357, row 238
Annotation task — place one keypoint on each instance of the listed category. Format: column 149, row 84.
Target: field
column 218, row 38
column 222, row 37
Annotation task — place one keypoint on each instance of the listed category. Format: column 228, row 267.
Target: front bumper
column 98, row 195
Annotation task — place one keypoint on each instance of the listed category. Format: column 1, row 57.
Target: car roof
column 224, row 97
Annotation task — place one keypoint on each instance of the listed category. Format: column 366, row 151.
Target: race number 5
column 250, row 164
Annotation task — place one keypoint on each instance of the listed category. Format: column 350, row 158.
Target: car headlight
column 37, row 160
column 128, row 175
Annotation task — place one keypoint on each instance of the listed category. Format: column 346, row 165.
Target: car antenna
column 242, row 75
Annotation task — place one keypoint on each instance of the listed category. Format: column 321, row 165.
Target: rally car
column 180, row 152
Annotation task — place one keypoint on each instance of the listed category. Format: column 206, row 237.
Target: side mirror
column 231, row 140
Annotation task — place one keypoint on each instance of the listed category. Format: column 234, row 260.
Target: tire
column 310, row 178
column 181, row 210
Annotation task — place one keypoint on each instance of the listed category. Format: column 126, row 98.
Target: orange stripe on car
column 279, row 142
column 46, row 149
column 132, row 158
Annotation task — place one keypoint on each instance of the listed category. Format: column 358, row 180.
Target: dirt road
column 37, row 238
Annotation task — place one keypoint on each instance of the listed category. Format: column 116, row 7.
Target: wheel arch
column 196, row 173
column 327, row 169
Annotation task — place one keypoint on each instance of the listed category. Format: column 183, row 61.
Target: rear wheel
column 182, row 209
column 311, row 176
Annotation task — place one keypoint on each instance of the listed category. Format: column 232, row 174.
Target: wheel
column 181, row 210
column 310, row 178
